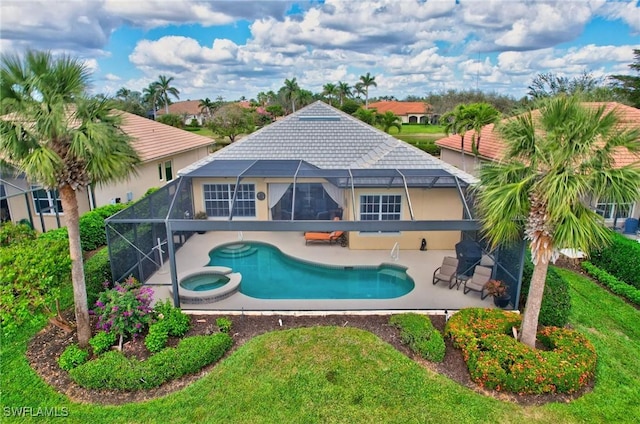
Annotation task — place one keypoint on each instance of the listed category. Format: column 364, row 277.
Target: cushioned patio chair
column 481, row 275
column 446, row 271
column 334, row 236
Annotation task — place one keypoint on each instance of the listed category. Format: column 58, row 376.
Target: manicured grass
column 330, row 374
column 422, row 129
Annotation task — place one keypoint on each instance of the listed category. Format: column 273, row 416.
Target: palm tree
column 62, row 139
column 457, row 121
column 359, row 90
column 330, row 90
column 344, row 90
column 150, row 96
column 207, row 106
column 388, row 120
column 165, row 89
column 291, row 91
column 480, row 115
column 552, row 161
column 123, row 93
column 367, row 81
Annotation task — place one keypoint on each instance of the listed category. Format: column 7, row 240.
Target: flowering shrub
column 125, row 309
column 497, row 361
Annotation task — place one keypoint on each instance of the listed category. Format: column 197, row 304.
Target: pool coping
column 193, row 297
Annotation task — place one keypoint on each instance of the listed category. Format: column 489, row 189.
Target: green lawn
column 347, row 375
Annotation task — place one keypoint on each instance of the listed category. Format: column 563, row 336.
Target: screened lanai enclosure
column 279, row 196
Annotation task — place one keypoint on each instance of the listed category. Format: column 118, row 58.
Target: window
column 46, row 201
column 160, row 174
column 218, row 199
column 380, row 207
column 614, row 210
column 168, row 173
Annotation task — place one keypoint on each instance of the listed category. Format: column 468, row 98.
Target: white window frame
column 51, row 199
column 380, row 206
column 610, row 210
column 246, row 199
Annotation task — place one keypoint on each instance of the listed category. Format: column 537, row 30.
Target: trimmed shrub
column 224, row 324
column 497, row 361
column 32, row 274
column 556, row 301
column 115, row 371
column 156, row 339
column 621, row 259
column 97, row 270
column 176, row 322
column 102, row 342
column 418, row 333
column 11, row 233
column 618, row 287
column 72, row 357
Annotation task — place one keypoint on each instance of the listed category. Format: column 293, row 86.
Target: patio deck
column 421, row 265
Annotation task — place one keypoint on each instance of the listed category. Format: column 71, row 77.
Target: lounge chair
column 334, row 236
column 481, row 275
column 446, row 271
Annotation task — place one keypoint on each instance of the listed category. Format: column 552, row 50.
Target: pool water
column 267, row 273
column 203, row 282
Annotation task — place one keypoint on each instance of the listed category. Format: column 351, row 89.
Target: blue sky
column 239, row 48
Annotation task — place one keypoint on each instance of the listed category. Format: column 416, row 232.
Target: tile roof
column 188, row 107
column 492, row 145
column 400, row 108
column 328, row 138
column 153, row 140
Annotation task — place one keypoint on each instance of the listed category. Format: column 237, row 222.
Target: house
column 162, row 149
column 492, row 148
column 316, row 170
column 298, row 167
column 188, row 110
column 409, row 112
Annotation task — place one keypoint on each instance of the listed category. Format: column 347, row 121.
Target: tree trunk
column 70, row 208
column 529, row 327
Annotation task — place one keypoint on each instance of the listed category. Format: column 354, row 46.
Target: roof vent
column 318, row 118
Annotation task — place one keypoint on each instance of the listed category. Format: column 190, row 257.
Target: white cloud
column 112, row 77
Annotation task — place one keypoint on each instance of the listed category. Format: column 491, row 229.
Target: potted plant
column 500, row 292
column 201, row 215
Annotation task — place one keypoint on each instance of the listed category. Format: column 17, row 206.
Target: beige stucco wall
column 428, row 204
column 146, row 177
column 18, row 206
column 472, row 166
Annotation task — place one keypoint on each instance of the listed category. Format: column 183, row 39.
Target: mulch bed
column 45, row 347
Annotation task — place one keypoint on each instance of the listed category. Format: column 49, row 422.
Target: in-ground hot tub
column 207, row 284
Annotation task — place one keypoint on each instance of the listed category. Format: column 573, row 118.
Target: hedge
column 97, row 270
column 113, row 370
column 620, row 259
column 92, row 231
column 498, row 361
column 618, row 287
column 556, row 301
column 418, row 333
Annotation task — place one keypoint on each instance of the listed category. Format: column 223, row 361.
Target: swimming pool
column 268, row 273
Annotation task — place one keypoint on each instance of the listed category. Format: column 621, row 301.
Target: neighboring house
column 492, row 148
column 299, row 167
column 188, row 110
column 162, row 149
column 409, row 112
